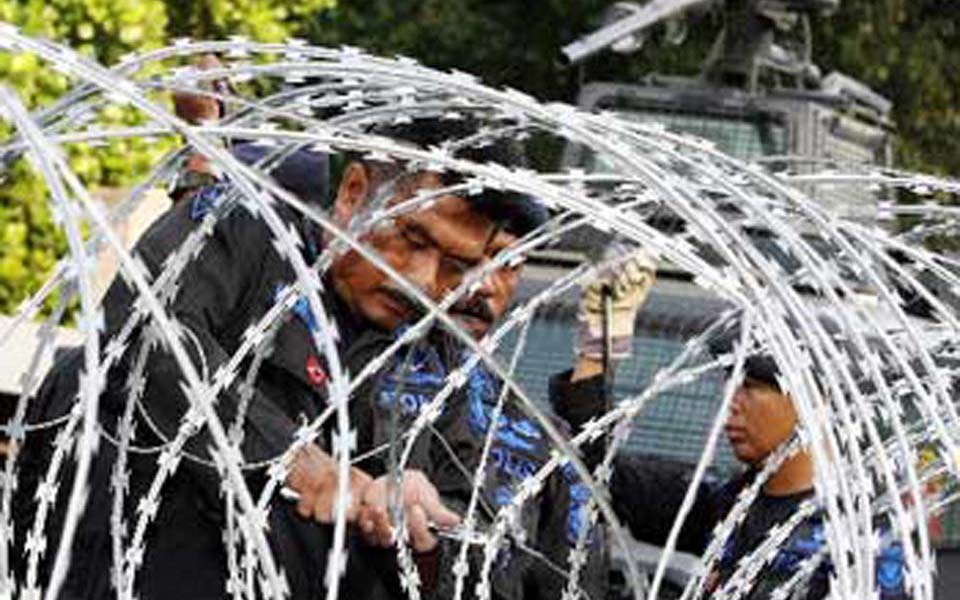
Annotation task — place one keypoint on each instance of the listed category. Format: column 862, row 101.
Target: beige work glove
column 628, row 280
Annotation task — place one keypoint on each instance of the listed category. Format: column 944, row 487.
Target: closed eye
column 416, row 237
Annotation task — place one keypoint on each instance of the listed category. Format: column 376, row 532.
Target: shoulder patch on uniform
column 301, row 307
column 205, row 200
column 315, row 373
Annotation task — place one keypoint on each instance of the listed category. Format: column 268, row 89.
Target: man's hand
column 628, row 283
column 198, row 109
column 314, row 478
column 421, row 506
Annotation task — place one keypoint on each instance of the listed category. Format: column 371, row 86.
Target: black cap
column 759, row 366
column 305, row 173
column 516, row 213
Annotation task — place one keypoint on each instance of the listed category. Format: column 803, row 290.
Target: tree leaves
column 908, row 51
column 30, row 243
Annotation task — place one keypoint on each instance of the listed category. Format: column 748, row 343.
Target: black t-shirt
column 647, row 492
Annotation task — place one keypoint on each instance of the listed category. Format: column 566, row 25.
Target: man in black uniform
column 647, row 493
column 448, row 452
column 231, row 284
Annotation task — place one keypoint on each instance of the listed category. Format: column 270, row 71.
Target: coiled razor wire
column 874, row 392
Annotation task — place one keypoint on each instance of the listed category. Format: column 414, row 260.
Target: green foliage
column 30, row 242
column 104, row 29
column 506, row 43
column 909, row 51
column 262, row 20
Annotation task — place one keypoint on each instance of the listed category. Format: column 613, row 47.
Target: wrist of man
column 585, row 368
column 577, row 402
column 189, row 182
column 591, row 344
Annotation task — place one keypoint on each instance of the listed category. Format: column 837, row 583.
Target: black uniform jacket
column 233, row 281
column 449, row 452
column 647, row 492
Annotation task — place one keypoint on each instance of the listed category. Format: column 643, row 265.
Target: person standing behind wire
column 647, row 492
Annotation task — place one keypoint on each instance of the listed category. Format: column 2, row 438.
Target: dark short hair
column 515, row 212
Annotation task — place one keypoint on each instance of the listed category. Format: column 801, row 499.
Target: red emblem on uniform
column 315, row 373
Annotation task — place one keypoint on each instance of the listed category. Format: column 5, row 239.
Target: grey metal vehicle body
column 844, row 123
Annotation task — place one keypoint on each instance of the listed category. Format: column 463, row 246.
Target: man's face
column 761, row 418
column 432, row 249
column 479, row 311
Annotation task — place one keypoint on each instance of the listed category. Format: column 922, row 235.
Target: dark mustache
column 474, row 307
